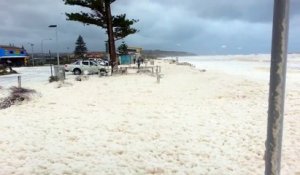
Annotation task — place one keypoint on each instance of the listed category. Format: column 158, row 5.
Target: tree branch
column 85, row 18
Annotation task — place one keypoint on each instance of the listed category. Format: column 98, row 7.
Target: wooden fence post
column 51, row 70
column 19, row 81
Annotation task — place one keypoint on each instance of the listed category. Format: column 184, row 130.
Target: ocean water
column 250, row 66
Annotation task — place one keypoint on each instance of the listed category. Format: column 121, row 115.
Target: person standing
column 139, row 62
column 9, row 64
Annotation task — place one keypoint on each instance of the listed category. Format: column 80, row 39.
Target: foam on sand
column 191, row 123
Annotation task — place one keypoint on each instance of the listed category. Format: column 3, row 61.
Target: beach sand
column 191, row 123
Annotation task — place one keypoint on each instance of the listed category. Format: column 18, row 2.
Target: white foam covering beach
column 192, row 122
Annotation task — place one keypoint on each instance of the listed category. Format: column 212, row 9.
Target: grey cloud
column 28, row 21
column 246, row 10
column 211, row 23
column 192, row 25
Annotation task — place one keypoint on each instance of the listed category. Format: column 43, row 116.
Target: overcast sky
column 198, row 26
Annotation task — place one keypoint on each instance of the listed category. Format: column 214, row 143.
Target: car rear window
column 93, row 63
column 77, row 63
column 85, row 63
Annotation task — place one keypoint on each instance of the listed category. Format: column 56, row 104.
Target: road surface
column 28, row 74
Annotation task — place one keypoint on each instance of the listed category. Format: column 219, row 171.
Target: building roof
column 12, row 52
column 21, row 56
column 95, row 54
column 10, row 47
column 135, row 49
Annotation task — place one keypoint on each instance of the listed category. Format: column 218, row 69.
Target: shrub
column 16, row 95
column 53, row 78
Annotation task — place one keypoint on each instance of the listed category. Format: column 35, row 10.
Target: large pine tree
column 117, row 27
column 80, row 48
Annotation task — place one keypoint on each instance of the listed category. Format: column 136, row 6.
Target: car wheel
column 103, row 70
column 77, row 71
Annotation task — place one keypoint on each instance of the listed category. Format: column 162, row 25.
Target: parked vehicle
column 103, row 62
column 85, row 66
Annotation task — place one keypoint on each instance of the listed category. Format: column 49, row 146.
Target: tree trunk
column 111, row 40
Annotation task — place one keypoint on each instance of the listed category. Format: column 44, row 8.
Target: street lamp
column 42, row 45
column 31, row 44
column 68, row 54
column 55, row 26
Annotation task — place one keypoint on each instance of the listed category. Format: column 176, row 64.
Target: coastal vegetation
column 4, row 70
column 16, row 96
column 123, row 48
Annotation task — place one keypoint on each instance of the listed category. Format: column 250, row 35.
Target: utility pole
column 31, row 44
column 42, row 46
column 68, row 55
column 277, row 87
column 57, row 53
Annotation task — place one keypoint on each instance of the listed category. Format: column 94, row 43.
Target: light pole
column 56, row 38
column 31, row 44
column 68, row 54
column 42, row 45
column 277, row 87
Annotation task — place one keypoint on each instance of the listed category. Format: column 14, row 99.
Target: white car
column 103, row 62
column 85, row 66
